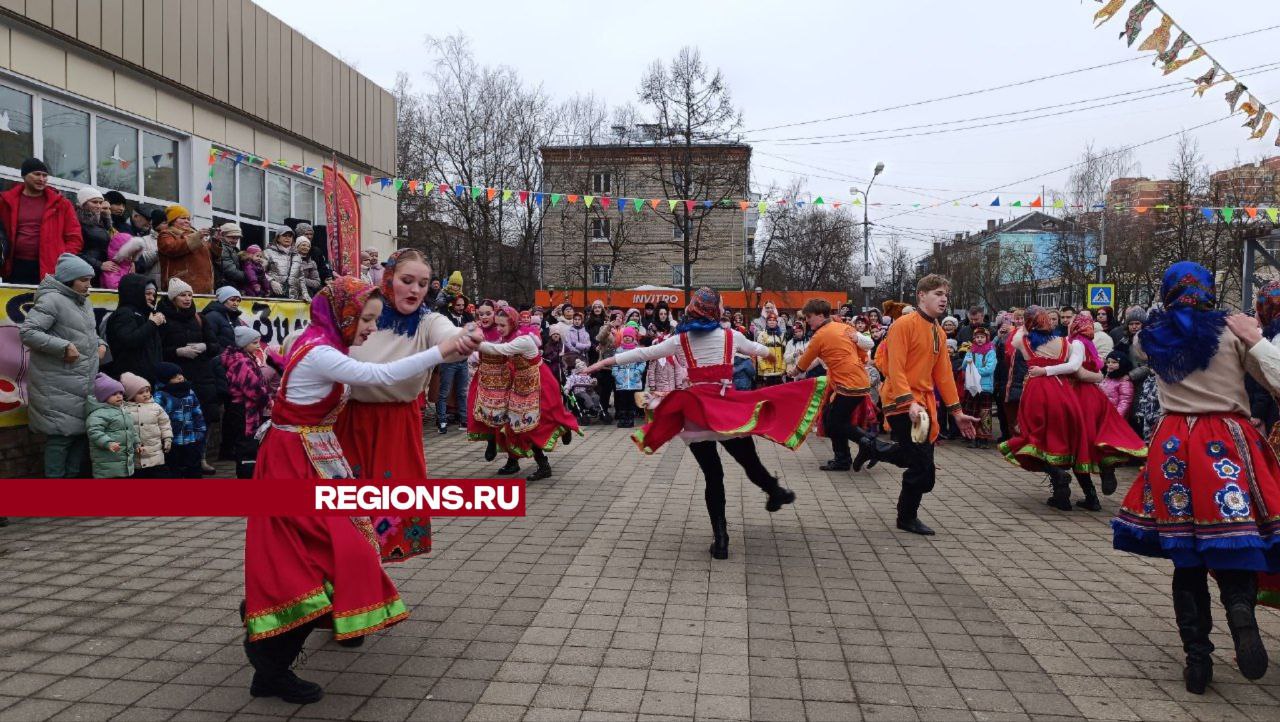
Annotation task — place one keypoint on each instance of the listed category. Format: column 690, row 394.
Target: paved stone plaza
column 604, row 604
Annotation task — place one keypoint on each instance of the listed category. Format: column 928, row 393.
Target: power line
column 1006, row 86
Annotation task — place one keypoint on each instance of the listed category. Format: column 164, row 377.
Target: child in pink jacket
column 1116, row 385
column 123, row 257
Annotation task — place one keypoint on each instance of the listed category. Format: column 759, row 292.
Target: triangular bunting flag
column 427, row 187
column 1252, row 211
column 1162, row 207
column 1206, row 81
column 588, row 200
column 799, row 204
column 671, row 205
column 399, row 184
column 1208, row 213
column 353, row 179
column 858, row 202
column 762, row 207
column 708, row 204
column 368, row 180
column 1140, row 209
column 996, row 202
column 506, row 194
column 156, row 159
column 460, row 191
column 208, row 199
column 605, row 201
column 1107, row 11
column 384, row 182
column 653, row 203
column 413, row 186
column 638, row 203
column 688, row 206
column 556, row 198
column 489, row 193
column 476, row 191
column 836, row 204
column 1159, row 38
column 1228, row 214
column 622, row 204
column 125, row 164
column 1016, row 204
column 743, row 204
column 1059, row 203
column 309, row 170
column 523, row 197
column 1273, row 213
column 1233, row 96
column 1133, row 25
column 818, row 201
column 1037, row 203
column 572, row 198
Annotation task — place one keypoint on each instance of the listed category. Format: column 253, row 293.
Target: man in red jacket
column 40, row 223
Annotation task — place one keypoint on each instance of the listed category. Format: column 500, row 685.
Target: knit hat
column 303, row 243
column 629, row 333
column 951, row 320
column 705, row 303
column 952, row 344
column 174, row 212
column 302, row 228
column 255, row 248
column 115, row 198
column 245, row 335
column 132, row 384
column 104, row 387
column 86, row 194
column 1135, row 313
column 177, row 287
column 226, row 293
column 70, row 267
column 455, row 283
column 158, row 216
column 231, row 229
column 166, row 370
column 34, row 165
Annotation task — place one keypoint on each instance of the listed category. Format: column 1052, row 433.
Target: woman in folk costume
column 518, row 406
column 1050, row 434
column 1208, row 498
column 486, row 317
column 1264, row 408
column 711, row 410
column 299, row 570
column 381, row 428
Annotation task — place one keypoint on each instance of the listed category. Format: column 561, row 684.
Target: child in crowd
column 254, row 267
column 155, row 435
column 1116, row 385
column 582, row 386
column 249, row 399
column 770, row 369
column 178, row 399
column 627, row 378
column 552, row 355
column 664, row 376
column 122, row 258
column 113, row 441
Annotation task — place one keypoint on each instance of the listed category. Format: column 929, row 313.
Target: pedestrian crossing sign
column 1101, row 294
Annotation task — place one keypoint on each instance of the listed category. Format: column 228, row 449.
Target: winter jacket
column 185, row 255
column 152, row 424
column 186, row 418
column 986, row 365
column 56, row 390
column 96, row 243
column 107, row 424
column 59, row 231
column 284, row 269
column 310, row 277
column 576, row 340
column 187, row 327
column 133, row 338
column 1120, row 393
column 111, row 279
column 247, row 387
column 226, row 270
column 223, row 321
column 256, row 282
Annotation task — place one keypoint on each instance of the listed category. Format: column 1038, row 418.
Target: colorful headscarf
column 1268, row 308
column 335, row 312
column 1036, row 321
column 981, row 349
column 403, row 324
column 513, row 320
column 1076, row 332
column 703, row 311
column 1183, row 337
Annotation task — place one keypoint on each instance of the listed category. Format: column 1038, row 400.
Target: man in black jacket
column 133, row 329
column 223, row 315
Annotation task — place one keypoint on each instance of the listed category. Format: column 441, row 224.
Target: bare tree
column 807, row 248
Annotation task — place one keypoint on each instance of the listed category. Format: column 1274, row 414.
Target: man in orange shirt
column 844, row 352
column 914, row 361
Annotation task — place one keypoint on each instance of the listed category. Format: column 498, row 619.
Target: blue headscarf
column 403, row 324
column 1182, row 338
column 1033, row 318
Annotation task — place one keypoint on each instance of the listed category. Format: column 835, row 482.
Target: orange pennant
column 490, row 193
column 1037, row 203
column 572, row 198
column 653, row 203
column 743, row 205
column 1140, row 209
column 413, row 186
column 1253, row 212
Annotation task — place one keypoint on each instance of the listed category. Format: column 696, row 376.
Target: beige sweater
column 1220, row 387
column 385, row 345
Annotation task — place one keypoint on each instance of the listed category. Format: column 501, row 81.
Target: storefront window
column 277, row 198
column 66, row 142
column 250, row 192
column 224, row 185
column 16, row 136
column 117, row 156
column 304, row 201
column 160, row 158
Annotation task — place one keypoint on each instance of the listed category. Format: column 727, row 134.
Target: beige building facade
column 133, row 95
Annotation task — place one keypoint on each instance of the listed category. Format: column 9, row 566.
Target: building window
column 601, row 183
column 17, row 137
column 601, row 275
column 117, row 156
column 278, row 198
column 250, row 188
column 259, row 200
column 224, row 186
column 677, row 274
column 160, row 158
column 677, row 180
column 66, row 141
column 600, row 229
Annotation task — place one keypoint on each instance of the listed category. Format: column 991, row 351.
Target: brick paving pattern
column 604, row 604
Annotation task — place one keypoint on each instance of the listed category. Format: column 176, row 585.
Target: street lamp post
column 867, row 282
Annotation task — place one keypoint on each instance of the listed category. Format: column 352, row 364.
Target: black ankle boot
column 1194, row 624
column 779, row 496
column 542, row 472
column 871, row 450
column 1240, row 596
column 511, row 467
column 1090, row 500
column 1060, row 482
column 271, row 658
column 719, row 538
column 491, row 450
column 1109, row 482
column 836, row 464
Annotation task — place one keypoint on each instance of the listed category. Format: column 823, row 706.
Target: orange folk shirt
column 833, row 342
column 914, row 361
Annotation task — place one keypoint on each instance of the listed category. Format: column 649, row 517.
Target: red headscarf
column 335, row 312
column 513, row 319
column 1082, row 323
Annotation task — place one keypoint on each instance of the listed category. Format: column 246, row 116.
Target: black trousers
column 604, row 386
column 184, row 461
column 837, row 421
column 743, row 451
column 232, row 431
column 916, row 460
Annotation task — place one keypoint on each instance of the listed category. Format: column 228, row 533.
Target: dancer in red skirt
column 517, row 406
column 381, row 428
column 299, row 570
column 1208, row 498
column 710, row 410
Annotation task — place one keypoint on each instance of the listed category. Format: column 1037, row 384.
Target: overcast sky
column 795, row 62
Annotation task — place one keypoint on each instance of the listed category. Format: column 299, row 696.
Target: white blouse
column 708, row 348
column 314, row 376
column 523, row 345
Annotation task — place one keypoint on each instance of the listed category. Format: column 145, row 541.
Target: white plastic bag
column 972, row 379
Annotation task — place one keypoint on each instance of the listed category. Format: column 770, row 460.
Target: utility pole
column 1102, row 246
column 867, row 281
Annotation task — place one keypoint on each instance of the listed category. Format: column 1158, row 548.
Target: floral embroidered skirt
column 553, row 420
column 1209, row 495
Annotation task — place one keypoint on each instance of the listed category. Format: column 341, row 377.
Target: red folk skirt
column 554, row 420
column 298, row 568
column 384, row 441
column 783, row 414
column 1209, row 495
column 1050, row 424
column 1109, row 439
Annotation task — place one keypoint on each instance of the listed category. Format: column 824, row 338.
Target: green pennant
column 1162, row 207
column 818, row 201
column 428, row 187
column 588, row 200
column 1017, row 204
column 671, row 205
column 506, row 195
column 1272, row 213
column 856, row 202
column 1059, row 203
column 638, row 203
column 556, row 198
column 399, row 183
column 1228, row 214
column 476, row 191
column 763, row 207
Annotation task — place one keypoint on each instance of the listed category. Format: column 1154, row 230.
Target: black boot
column 544, row 468
column 491, row 450
column 271, row 658
column 1239, row 591
column 1060, row 482
column 719, row 538
column 1195, row 621
column 871, row 450
column 1109, row 482
column 511, row 467
column 779, row 496
column 1090, row 500
column 836, row 464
